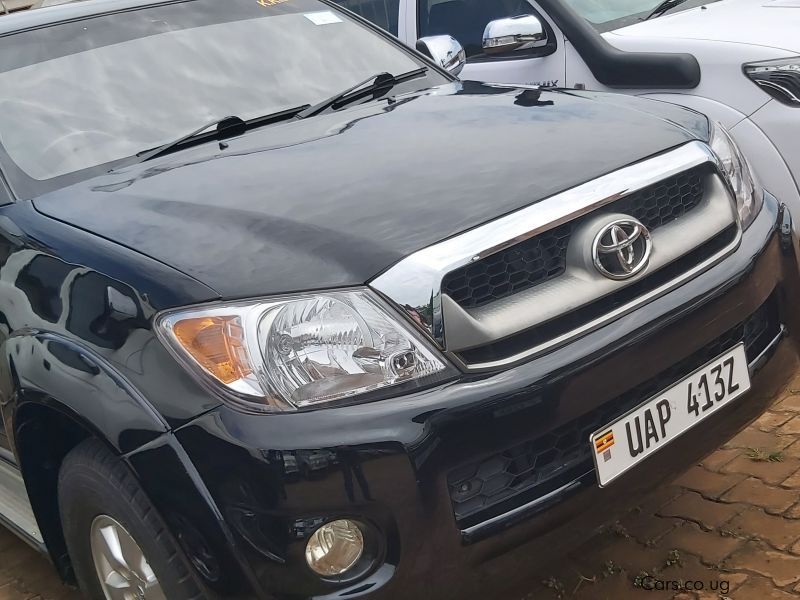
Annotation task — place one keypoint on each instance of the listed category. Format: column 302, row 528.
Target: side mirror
column 445, row 51
column 514, row 33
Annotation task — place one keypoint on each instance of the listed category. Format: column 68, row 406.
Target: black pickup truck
column 289, row 311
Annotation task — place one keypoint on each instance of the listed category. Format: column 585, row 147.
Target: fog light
column 334, row 548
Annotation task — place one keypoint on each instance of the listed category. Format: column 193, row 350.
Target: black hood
column 336, row 199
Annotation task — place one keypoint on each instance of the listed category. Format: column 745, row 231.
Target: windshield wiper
column 222, row 128
column 230, row 126
column 379, row 84
column 663, row 7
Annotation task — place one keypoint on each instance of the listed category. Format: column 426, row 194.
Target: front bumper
column 394, row 465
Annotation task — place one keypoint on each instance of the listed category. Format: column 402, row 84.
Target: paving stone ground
column 728, row 528
column 26, row 575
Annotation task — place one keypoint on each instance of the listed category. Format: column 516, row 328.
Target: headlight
column 737, row 173
column 779, row 78
column 300, row 351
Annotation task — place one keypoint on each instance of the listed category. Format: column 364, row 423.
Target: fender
column 78, row 359
column 52, row 370
column 51, row 373
column 55, row 393
column 194, row 518
column 73, row 302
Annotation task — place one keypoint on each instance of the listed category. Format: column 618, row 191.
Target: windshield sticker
column 324, row 17
column 270, row 2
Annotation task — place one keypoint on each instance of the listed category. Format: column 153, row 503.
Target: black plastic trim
column 567, row 488
column 616, row 68
column 476, row 533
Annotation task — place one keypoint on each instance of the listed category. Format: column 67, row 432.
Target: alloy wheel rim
column 122, row 568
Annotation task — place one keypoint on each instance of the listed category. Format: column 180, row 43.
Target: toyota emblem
column 622, row 248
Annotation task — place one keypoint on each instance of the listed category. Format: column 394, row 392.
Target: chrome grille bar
column 414, row 284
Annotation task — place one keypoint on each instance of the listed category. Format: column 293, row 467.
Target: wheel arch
column 45, row 435
column 58, row 393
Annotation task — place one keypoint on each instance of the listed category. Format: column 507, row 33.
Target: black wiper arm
column 219, row 129
column 225, row 125
column 663, row 7
column 380, row 82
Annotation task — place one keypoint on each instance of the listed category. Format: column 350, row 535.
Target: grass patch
column 762, row 455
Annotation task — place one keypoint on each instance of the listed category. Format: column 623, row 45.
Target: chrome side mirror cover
column 445, row 51
column 513, row 34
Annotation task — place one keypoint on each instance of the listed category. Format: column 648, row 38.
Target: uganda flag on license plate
column 604, row 442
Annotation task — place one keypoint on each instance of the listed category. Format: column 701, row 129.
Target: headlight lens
column 779, row 78
column 299, row 351
column 738, row 175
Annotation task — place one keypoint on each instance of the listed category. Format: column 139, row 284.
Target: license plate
column 656, row 422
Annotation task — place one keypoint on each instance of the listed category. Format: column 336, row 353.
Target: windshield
column 76, row 97
column 606, row 15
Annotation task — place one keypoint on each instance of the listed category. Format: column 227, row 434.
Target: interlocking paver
column 660, row 497
column 693, row 507
column 777, row 531
column 645, row 528
column 759, row 588
column 793, row 481
column 710, row 549
column 756, row 492
column 793, row 449
column 782, row 568
column 720, row 458
column 768, row 472
column 708, row 483
column 753, row 438
column 24, row 574
column 790, row 402
column 769, row 421
column 791, row 427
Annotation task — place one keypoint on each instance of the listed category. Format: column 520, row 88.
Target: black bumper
column 397, row 465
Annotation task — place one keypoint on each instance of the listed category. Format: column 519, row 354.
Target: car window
column 383, row 13
column 81, row 95
column 465, row 20
column 602, row 11
column 607, row 15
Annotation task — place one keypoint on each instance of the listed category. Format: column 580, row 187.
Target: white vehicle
column 9, row 6
column 737, row 61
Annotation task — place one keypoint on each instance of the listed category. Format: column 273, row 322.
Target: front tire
column 119, row 547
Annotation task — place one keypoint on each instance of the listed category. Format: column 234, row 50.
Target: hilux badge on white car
column 622, row 248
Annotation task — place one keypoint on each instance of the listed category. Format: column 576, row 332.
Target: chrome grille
column 569, row 321
column 544, row 257
column 520, row 267
column 527, row 282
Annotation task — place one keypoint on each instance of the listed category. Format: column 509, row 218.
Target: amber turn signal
column 217, row 344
